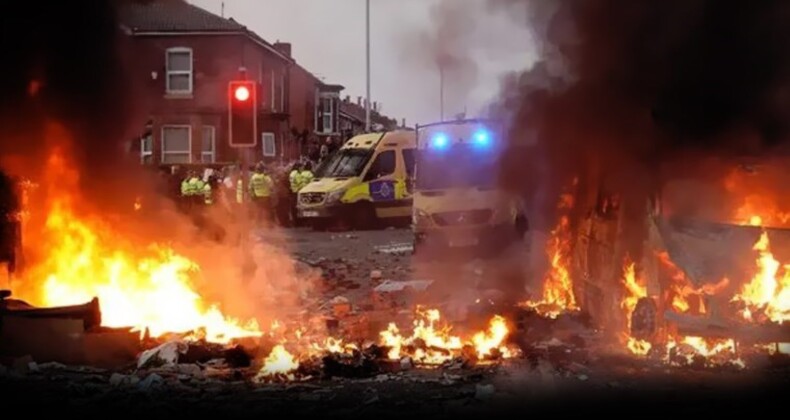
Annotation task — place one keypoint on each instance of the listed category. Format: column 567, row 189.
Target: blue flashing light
column 481, row 138
column 440, row 141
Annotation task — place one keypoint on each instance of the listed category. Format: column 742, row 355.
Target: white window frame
column 165, row 153
column 213, row 152
column 169, row 72
column 330, row 113
column 273, row 151
column 146, row 151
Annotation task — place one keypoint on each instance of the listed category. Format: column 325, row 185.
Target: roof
column 178, row 16
column 173, row 16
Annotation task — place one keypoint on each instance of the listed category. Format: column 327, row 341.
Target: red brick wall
column 216, row 61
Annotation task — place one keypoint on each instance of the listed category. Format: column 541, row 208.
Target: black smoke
column 634, row 85
column 63, row 62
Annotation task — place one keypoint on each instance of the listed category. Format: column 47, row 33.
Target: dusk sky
column 328, row 38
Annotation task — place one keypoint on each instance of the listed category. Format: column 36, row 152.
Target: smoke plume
column 63, row 63
column 632, row 86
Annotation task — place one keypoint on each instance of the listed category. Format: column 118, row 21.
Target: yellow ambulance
column 364, row 184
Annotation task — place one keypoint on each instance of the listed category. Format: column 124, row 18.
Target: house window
column 179, row 70
column 147, row 149
column 327, row 115
column 269, row 146
column 176, row 144
column 208, row 149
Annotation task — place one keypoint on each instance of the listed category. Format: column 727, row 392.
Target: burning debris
column 150, row 290
column 766, row 298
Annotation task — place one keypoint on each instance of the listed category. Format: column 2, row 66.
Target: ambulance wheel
column 644, row 319
column 363, row 216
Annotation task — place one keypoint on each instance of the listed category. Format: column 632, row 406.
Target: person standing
column 260, row 194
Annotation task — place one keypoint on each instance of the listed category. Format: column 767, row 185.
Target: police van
column 458, row 203
column 364, row 184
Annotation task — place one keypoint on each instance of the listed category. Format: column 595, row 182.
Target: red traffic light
column 241, row 93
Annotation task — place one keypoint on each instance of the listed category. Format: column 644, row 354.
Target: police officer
column 305, row 175
column 260, row 193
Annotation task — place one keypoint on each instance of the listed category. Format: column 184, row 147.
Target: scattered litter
column 398, row 248
column 163, row 355
column 152, row 380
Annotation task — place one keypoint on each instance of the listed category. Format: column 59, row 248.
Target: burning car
column 709, row 273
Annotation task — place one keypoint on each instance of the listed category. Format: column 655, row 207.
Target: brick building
column 184, row 58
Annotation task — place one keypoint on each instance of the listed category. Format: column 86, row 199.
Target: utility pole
column 367, row 59
column 441, row 92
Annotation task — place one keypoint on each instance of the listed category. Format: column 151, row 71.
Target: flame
column 146, row 288
column 760, row 210
column 138, row 204
column 638, row 347
column 635, row 289
column 715, row 352
column 280, row 364
column 430, row 344
column 558, row 295
column 766, row 294
column 486, row 342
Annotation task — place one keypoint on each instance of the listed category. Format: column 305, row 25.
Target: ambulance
column 365, row 184
column 458, row 203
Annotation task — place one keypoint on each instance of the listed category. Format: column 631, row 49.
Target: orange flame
column 145, row 289
column 280, row 364
column 430, row 344
column 558, row 295
column 766, row 294
column 635, row 289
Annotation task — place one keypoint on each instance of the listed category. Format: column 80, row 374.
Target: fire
column 760, row 210
column 83, row 257
column 486, row 342
column 767, row 294
column 714, row 352
column 558, row 295
column 635, row 289
column 280, row 364
column 430, row 344
column 638, row 347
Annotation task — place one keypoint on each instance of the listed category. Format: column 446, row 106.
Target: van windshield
column 460, row 167
column 346, row 163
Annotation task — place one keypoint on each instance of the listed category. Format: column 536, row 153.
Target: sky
column 407, row 36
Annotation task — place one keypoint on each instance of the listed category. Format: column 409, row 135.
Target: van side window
column 383, row 165
column 408, row 160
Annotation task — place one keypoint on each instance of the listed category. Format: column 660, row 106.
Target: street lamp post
column 367, row 59
column 441, row 92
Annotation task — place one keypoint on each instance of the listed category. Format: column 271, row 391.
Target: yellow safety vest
column 295, row 180
column 239, row 191
column 260, row 184
column 192, row 186
column 207, row 198
column 305, row 177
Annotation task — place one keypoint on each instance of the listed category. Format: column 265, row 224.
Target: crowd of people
column 267, row 193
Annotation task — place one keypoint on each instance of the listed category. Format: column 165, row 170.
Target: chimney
column 348, row 99
column 359, row 100
column 403, row 122
column 283, row 47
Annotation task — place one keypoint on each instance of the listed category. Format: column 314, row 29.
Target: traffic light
column 242, row 110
